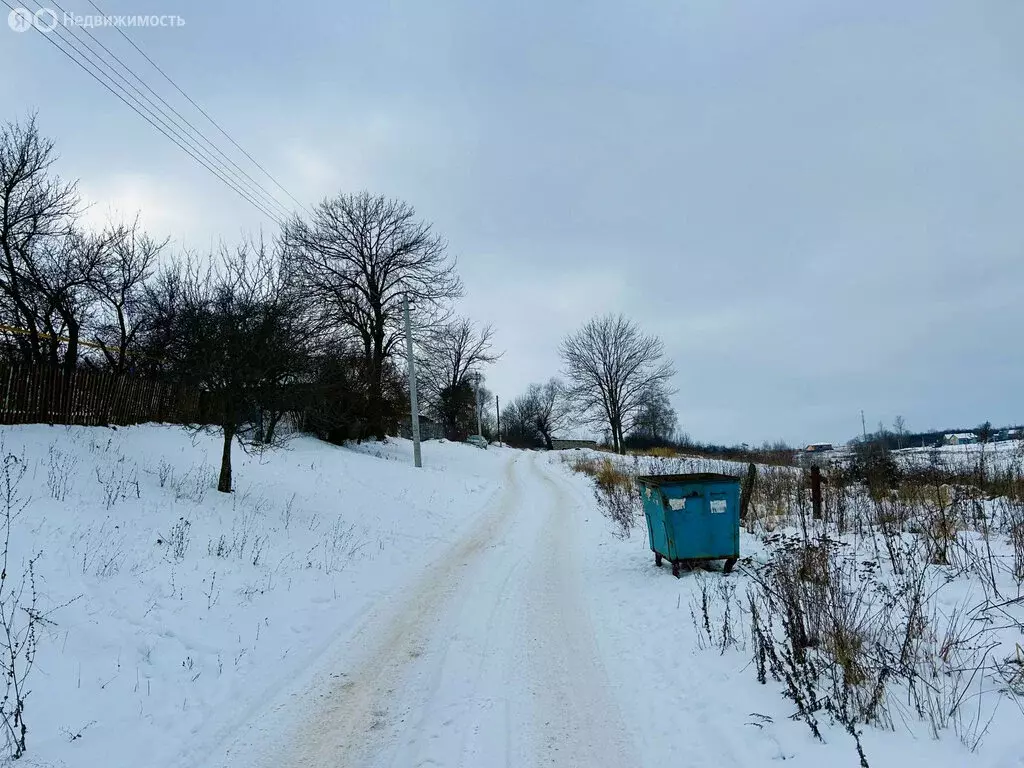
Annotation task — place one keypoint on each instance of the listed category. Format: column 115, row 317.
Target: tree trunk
column 617, row 445
column 224, row 484
column 547, row 440
column 275, row 417
column 71, row 355
column 122, row 347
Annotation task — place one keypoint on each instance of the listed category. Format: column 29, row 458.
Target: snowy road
column 488, row 658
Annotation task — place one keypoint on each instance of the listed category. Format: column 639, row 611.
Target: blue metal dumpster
column 692, row 517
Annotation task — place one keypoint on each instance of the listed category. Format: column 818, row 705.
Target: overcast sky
column 817, row 204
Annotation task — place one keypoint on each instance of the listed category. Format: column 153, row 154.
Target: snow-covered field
column 343, row 608
column 999, row 456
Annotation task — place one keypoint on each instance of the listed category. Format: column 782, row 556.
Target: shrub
column 873, row 464
column 617, row 497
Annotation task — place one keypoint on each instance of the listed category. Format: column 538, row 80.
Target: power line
column 253, row 186
column 4, row 328
column 202, row 111
column 99, row 76
column 203, row 157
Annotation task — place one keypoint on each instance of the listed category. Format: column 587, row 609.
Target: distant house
column 561, row 445
column 814, row 454
column 429, row 429
column 959, row 438
column 1008, row 434
column 819, row 447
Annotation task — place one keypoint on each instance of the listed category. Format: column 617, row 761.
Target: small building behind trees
column 429, row 429
column 561, row 445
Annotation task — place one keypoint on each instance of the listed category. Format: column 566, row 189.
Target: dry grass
column 608, row 477
column 616, row 493
column 661, row 452
column 585, row 465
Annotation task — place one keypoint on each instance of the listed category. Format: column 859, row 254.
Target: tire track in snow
column 350, row 726
column 577, row 716
column 491, row 659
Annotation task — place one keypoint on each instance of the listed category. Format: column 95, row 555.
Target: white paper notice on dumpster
column 677, row 503
column 718, row 506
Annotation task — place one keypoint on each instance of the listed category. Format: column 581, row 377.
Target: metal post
column 497, row 415
column 414, row 409
column 479, row 426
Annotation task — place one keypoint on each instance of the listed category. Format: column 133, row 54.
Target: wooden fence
column 46, row 395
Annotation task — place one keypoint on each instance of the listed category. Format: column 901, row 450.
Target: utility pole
column 863, row 425
column 479, row 426
column 497, row 414
column 414, row 408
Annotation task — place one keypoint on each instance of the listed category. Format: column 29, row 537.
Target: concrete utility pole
column 863, row 425
column 479, row 426
column 497, row 415
column 414, row 408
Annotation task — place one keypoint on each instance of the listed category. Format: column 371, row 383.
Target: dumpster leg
column 729, row 563
column 675, row 569
column 657, row 559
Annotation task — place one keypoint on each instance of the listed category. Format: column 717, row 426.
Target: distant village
column 897, row 440
column 971, row 438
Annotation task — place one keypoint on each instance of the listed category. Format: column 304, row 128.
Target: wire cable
column 202, row 111
column 153, row 111
column 251, row 185
column 99, row 77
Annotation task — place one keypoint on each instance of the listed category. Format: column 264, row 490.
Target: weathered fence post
column 747, row 491
column 816, row 492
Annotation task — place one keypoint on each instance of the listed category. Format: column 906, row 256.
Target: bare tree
column 120, row 287
column 237, row 332
column 655, row 423
column 517, row 429
column 613, row 368
column 63, row 274
column 449, row 356
column 358, row 255
column 545, row 409
column 37, row 211
column 160, row 306
column 536, row 416
column 900, row 428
